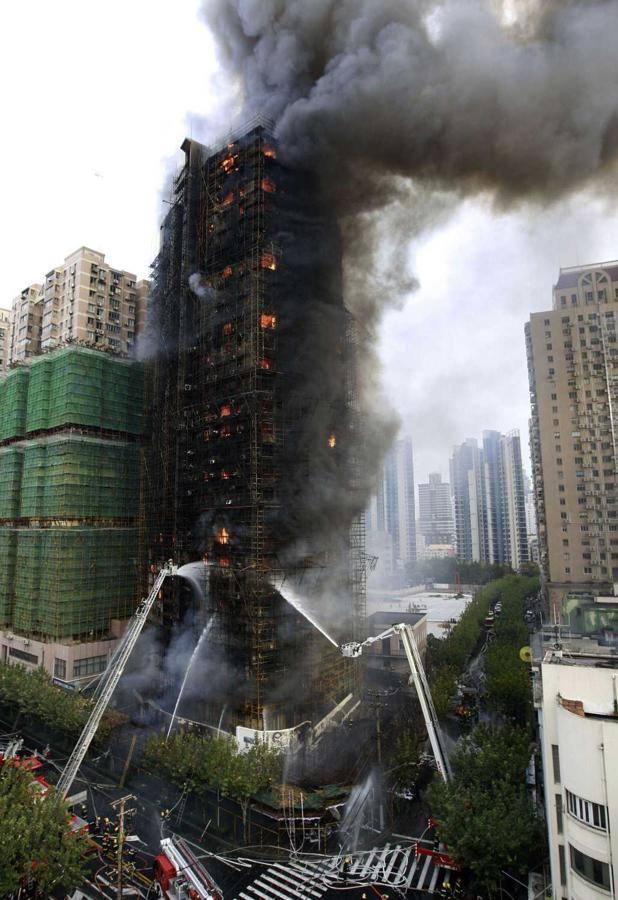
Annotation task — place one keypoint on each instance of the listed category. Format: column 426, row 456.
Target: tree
column 485, row 815
column 33, row 693
column 202, row 763
column 36, row 840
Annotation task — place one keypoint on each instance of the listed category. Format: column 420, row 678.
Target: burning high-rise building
column 252, row 405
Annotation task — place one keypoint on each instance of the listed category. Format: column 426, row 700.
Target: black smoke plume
column 404, row 107
column 395, row 102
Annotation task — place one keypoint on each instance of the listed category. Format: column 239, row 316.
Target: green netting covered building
column 70, row 427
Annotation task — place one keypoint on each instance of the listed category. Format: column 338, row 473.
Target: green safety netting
column 70, row 582
column 13, row 403
column 77, row 386
column 70, row 476
column 56, row 578
column 8, row 546
column 11, row 464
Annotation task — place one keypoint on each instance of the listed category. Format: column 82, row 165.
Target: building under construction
column 70, row 426
column 251, row 398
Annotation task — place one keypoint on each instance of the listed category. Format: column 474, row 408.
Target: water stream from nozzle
column 299, row 606
column 194, row 655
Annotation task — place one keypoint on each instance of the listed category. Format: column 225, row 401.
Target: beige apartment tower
column 87, row 300
column 573, row 372
column 83, row 300
column 5, row 340
column 25, row 323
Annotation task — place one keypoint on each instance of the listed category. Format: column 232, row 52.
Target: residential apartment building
column 575, row 695
column 572, row 365
column 489, row 500
column 5, row 340
column 436, row 521
column 83, row 300
column 87, row 300
column 25, row 324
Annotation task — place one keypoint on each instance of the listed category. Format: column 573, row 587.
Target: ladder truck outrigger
column 109, row 680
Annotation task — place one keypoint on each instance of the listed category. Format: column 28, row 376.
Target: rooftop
column 570, row 275
column 577, row 650
column 383, row 618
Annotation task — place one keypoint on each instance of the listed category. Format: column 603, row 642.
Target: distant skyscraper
column 488, row 493
column 399, row 500
column 392, row 509
column 469, row 502
column 436, row 521
column 512, row 498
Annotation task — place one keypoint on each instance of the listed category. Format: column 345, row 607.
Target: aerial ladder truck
column 354, row 649
column 418, row 678
column 109, row 681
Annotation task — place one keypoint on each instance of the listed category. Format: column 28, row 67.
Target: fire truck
column 180, row 875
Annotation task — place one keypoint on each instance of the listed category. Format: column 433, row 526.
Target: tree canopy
column 485, row 815
column 36, row 840
column 34, row 694
column 202, row 762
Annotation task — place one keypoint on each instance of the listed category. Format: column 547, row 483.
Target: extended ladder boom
column 419, row 679
column 110, row 681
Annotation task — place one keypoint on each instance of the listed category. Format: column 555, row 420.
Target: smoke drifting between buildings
column 405, row 107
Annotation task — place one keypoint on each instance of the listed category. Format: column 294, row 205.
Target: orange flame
column 268, row 261
column 332, row 440
column 266, row 363
column 267, row 320
column 227, row 328
column 269, row 151
column 228, row 271
column 224, row 536
column 229, row 198
column 228, row 163
column 269, row 186
column 226, row 410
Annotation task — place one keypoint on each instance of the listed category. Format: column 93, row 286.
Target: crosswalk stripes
column 298, row 880
column 302, row 879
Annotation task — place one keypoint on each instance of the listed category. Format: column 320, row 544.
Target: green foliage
column 484, row 814
column 34, row 694
column 444, row 571
column 447, row 658
column 35, row 837
column 202, row 763
column 508, row 681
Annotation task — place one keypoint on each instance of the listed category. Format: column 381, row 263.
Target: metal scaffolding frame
column 227, row 414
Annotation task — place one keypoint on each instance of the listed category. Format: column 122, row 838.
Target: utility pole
column 376, row 701
column 120, row 804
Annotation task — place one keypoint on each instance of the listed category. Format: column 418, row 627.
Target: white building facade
column 578, row 717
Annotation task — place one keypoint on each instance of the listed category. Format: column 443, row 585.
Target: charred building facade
column 251, row 399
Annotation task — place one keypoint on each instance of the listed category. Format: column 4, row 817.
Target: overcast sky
column 97, row 100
